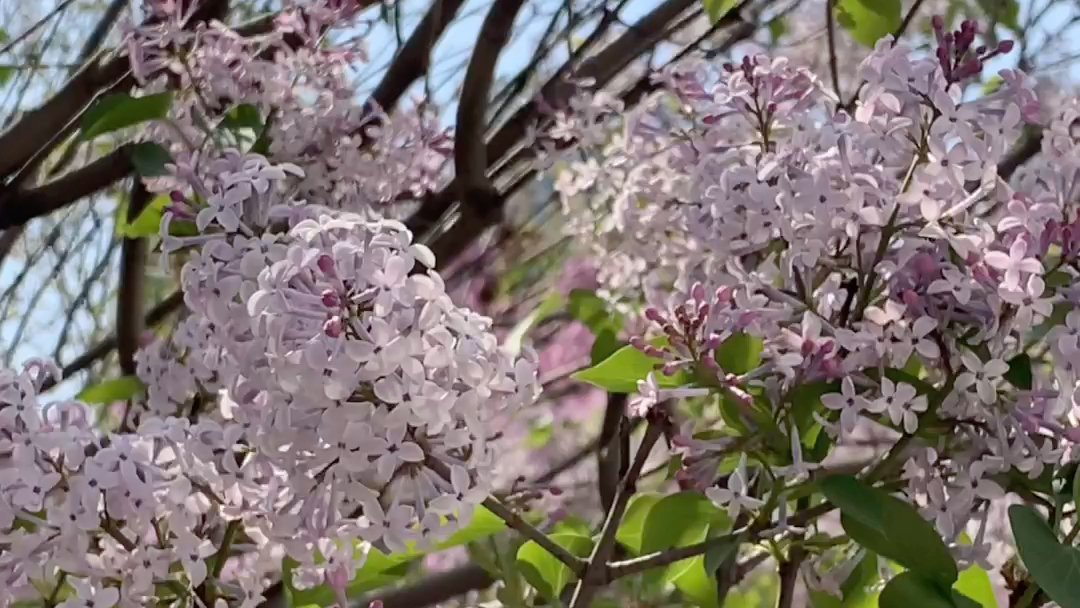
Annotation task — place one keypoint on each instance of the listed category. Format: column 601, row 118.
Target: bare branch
column 59, row 8
column 470, row 155
column 102, row 349
column 830, row 32
column 433, row 590
column 414, row 58
column 129, row 300
column 596, row 573
column 20, row 206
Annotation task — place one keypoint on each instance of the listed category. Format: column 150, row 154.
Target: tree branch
column 596, row 574
column 642, row 563
column 129, row 299
column 614, row 453
column 415, row 57
column 602, row 67
column 515, row 521
column 432, row 590
column 20, row 206
column 475, row 191
column 102, row 349
column 830, row 33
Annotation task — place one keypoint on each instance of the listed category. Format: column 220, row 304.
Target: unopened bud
column 653, row 315
column 1005, row 46
column 332, row 327
column 330, row 299
column 698, row 291
column 638, row 342
column 326, row 264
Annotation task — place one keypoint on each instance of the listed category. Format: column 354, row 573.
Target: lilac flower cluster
column 321, row 397
column 872, row 251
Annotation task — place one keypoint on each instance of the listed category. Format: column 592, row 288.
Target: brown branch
column 414, row 58
column 612, row 459
column 18, row 207
column 830, row 33
column 1029, row 145
column 601, row 68
column 596, row 574
column 129, row 300
column 102, row 349
column 433, row 590
column 475, row 191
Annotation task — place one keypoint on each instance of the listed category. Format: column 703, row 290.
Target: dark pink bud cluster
column 689, row 339
column 957, row 58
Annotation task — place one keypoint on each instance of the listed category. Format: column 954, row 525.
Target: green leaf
column 120, row 110
column 908, row 590
column 890, row 527
column 777, row 28
column 243, row 116
column 631, row 529
column 1054, row 567
column 740, row 353
column 147, row 223
column 114, row 389
column 620, row 372
column 975, row 584
column 593, row 312
column 150, row 158
column 1019, row 372
column 1005, row 12
column 547, row 307
column 868, row 20
column 718, row 8
column 6, row 72
column 546, row 573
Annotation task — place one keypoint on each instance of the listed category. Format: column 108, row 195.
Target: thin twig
column 830, row 32
column 642, row 563
column 595, row 574
column 36, row 26
column 513, row 520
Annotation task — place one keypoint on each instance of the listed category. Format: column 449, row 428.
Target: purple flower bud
column 333, row 327
column 653, row 351
column 326, row 265
column 177, row 196
column 698, row 291
column 330, row 299
column 709, row 361
column 938, row 22
column 670, row 368
column 723, row 295
column 713, row 342
column 1005, row 46
column 653, row 315
column 639, row 343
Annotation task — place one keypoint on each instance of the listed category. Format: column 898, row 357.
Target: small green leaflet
column 593, row 312
column 1053, row 566
column 150, row 159
column 718, row 8
column 868, row 20
column 620, row 372
column 542, row 570
column 740, row 353
column 114, row 389
column 120, row 110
